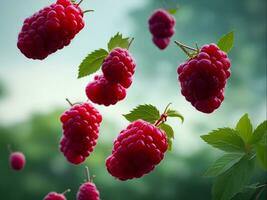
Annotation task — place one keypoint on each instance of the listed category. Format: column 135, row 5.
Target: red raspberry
column 17, row 161
column 80, row 128
column 50, row 29
column 137, row 150
column 119, row 67
column 54, row 196
column 101, row 91
column 203, row 78
column 88, row 191
column 162, row 27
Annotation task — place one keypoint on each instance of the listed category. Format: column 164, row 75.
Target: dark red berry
column 162, row 27
column 54, row 196
column 80, row 132
column 103, row 92
column 203, row 78
column 119, row 67
column 137, row 150
column 88, row 191
column 50, row 29
column 17, row 161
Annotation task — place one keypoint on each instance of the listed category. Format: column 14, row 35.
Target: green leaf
column 172, row 11
column 223, row 164
column 259, row 133
column 169, row 132
column 146, row 112
column 244, row 128
column 247, row 193
column 226, row 42
column 92, row 62
column 261, row 152
column 231, row 182
column 174, row 113
column 118, row 41
column 226, row 139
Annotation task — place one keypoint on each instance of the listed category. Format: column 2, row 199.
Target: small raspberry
column 50, row 29
column 137, row 150
column 203, row 78
column 101, row 91
column 162, row 27
column 80, row 132
column 119, row 67
column 54, row 196
column 17, row 161
column 88, row 191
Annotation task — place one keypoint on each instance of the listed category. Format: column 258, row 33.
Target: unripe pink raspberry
column 162, row 27
column 80, row 132
column 50, row 29
column 137, row 150
column 103, row 92
column 119, row 67
column 17, row 161
column 203, row 78
column 56, row 196
column 88, row 190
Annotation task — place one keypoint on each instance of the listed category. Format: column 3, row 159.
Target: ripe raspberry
column 119, row 67
column 203, row 78
column 80, row 132
column 162, row 27
column 54, row 196
column 137, row 150
column 88, row 191
column 50, row 29
column 17, row 161
column 101, row 91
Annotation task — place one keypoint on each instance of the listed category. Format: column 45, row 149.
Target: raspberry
column 88, row 191
column 162, row 27
column 137, row 150
column 80, row 132
column 54, row 196
column 203, row 78
column 17, row 161
column 101, row 91
column 50, row 29
column 118, row 67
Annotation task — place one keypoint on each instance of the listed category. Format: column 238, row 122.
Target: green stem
column 66, row 191
column 260, row 191
column 86, row 11
column 185, row 48
column 130, row 43
column 69, row 102
column 87, row 174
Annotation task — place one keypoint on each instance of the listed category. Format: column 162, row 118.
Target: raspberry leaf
column 262, row 155
column 146, row 112
column 226, row 42
column 223, row 163
column 225, row 139
column 244, row 128
column 172, row 11
column 92, row 62
column 169, row 132
column 174, row 113
column 231, row 182
column 259, row 134
column 118, row 41
column 247, row 193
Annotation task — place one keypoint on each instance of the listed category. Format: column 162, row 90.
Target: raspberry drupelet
column 50, row 29
column 80, row 132
column 203, row 78
column 162, row 27
column 56, row 196
column 137, row 150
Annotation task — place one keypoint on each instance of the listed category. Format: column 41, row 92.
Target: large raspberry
column 54, row 196
column 88, row 191
column 203, row 78
column 101, row 91
column 137, row 150
column 162, row 27
column 50, row 29
column 119, row 67
column 80, row 132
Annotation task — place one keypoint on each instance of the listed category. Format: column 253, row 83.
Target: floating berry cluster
column 140, row 147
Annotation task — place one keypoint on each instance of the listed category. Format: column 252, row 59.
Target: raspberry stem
column 130, row 43
column 185, row 49
column 86, row 11
column 87, row 174
column 163, row 117
column 66, row 191
column 79, row 2
column 69, row 102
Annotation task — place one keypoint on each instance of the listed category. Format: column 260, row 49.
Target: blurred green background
column 33, row 93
